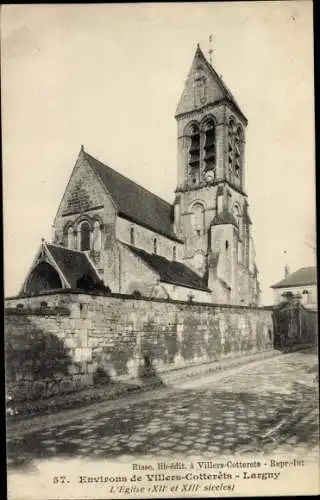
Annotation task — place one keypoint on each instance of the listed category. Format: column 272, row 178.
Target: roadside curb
column 147, row 393
column 206, row 369
column 119, row 391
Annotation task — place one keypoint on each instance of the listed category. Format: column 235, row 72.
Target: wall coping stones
column 43, row 311
column 126, row 297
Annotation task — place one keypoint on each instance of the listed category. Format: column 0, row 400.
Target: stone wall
column 183, row 293
column 135, row 274
column 49, row 352
column 143, row 238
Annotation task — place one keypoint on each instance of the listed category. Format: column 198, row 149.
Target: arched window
column 194, row 154
column 306, row 297
column 85, row 236
column 230, row 146
column 198, row 219
column 210, row 146
column 237, row 214
column 155, row 246
column 199, row 88
column 131, row 235
column 70, row 238
column 96, row 237
column 238, row 152
column 174, row 253
column 239, row 251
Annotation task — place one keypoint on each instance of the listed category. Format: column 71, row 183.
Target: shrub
column 101, row 377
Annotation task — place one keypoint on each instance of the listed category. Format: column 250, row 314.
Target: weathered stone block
column 82, row 354
column 91, row 367
column 73, row 370
column 71, row 342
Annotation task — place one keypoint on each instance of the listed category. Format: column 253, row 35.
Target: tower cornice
column 211, row 184
column 211, row 105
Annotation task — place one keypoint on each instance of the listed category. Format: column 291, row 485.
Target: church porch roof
column 73, row 264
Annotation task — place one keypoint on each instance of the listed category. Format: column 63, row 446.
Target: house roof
column 224, row 217
column 135, row 202
column 73, row 264
column 172, row 272
column 304, row 276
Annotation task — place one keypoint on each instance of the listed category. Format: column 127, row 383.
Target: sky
column 110, row 77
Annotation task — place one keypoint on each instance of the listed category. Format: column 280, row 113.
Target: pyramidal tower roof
column 216, row 89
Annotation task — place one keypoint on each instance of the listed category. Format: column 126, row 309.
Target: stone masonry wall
column 143, row 238
column 46, row 353
column 49, row 353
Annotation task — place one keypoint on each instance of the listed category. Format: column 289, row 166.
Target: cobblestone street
column 266, row 407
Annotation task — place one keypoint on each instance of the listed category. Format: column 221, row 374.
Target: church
column 112, row 234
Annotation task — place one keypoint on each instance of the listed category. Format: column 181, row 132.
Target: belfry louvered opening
column 194, row 151
column 210, row 146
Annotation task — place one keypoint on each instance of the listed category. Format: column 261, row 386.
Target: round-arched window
column 237, row 213
column 194, row 152
column 197, row 219
column 230, row 145
column 238, row 151
column 85, row 236
column 132, row 236
column 70, row 238
column 96, row 238
column 155, row 246
column 209, row 145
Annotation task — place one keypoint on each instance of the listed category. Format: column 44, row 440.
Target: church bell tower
column 210, row 188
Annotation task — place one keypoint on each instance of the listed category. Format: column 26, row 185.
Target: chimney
column 286, row 270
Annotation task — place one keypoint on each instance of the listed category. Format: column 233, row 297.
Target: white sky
column 110, row 76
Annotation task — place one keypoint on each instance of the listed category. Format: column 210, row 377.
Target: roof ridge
column 56, row 265
column 305, row 267
column 221, row 82
column 127, row 178
column 133, row 248
column 170, row 264
column 168, row 261
column 66, row 248
column 303, row 280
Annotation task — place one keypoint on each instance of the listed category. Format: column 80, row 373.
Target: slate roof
column 135, row 202
column 304, row 276
column 246, row 216
column 227, row 92
column 172, row 272
column 73, row 264
column 224, row 217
